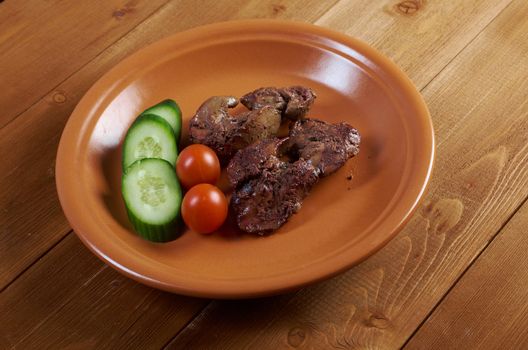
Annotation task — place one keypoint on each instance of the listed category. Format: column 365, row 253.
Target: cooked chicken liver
column 267, row 96
column 213, row 126
column 293, row 102
column 269, row 189
column 328, row 146
column 249, row 162
column 264, row 203
column 299, row 100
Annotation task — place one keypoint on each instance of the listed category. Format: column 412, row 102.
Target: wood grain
column 70, row 298
column 422, row 36
column 481, row 177
column 34, row 60
column 32, row 220
column 488, row 308
column 48, row 303
column 376, row 305
column 24, row 238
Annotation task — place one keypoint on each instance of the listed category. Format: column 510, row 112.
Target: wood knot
column 122, row 12
column 50, row 172
column 115, row 283
column 444, row 214
column 277, row 9
column 409, row 7
column 59, row 97
column 378, row 321
column 296, row 337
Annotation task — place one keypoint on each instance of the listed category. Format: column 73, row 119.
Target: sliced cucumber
column 149, row 136
column 153, row 198
column 171, row 112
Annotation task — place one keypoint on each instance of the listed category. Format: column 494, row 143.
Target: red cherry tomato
column 197, row 164
column 204, row 208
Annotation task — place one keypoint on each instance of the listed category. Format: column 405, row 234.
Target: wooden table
column 455, row 277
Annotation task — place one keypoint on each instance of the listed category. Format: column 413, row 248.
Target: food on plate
column 272, row 177
column 197, row 164
column 268, row 190
column 150, row 136
column 327, row 146
column 150, row 187
column 251, row 161
column 293, row 102
column 204, row 208
column 171, row 112
column 152, row 196
column 214, row 126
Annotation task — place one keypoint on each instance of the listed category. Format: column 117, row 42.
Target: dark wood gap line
column 202, row 309
column 189, row 321
column 35, row 261
column 421, row 90
column 42, row 98
column 475, row 259
column 417, row 329
column 325, row 12
column 37, row 100
column 465, row 46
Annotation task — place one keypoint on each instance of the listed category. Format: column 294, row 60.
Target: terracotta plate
column 341, row 222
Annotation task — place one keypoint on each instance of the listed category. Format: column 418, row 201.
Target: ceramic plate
column 342, row 221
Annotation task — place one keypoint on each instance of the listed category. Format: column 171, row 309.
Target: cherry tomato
column 204, row 208
column 197, row 164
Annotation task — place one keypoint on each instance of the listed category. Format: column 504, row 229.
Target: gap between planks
column 202, row 309
column 35, row 261
column 475, row 258
column 468, row 267
column 103, row 50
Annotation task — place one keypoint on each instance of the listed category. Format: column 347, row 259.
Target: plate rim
column 231, row 289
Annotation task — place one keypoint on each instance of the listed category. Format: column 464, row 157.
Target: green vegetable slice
column 153, row 197
column 149, row 136
column 171, row 112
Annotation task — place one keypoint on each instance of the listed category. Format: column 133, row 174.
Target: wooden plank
column 67, row 298
column 25, row 237
column 71, row 299
column 67, row 94
column 32, row 220
column 488, row 308
column 480, row 110
column 44, row 42
column 421, row 36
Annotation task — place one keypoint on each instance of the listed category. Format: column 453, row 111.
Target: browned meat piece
column 212, row 125
column 252, row 160
column 327, row 146
column 260, row 124
column 293, row 102
column 259, row 98
column 299, row 100
column 265, row 203
column 269, row 189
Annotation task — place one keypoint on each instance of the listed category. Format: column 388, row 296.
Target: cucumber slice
column 149, row 136
column 153, row 198
column 171, row 112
